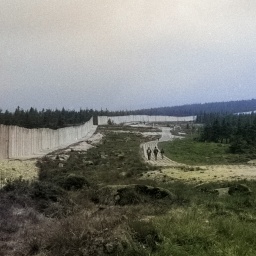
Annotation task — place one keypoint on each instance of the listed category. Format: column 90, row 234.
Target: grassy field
column 192, row 152
column 74, row 208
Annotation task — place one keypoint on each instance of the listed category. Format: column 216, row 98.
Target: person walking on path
column 149, row 153
column 162, row 153
column 155, row 152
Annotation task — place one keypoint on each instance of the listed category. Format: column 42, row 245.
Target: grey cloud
column 126, row 54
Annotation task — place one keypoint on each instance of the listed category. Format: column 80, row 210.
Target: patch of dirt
column 87, row 144
column 204, row 173
column 12, row 169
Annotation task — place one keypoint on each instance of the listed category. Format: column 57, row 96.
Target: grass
column 192, row 152
column 194, row 231
column 62, row 219
column 117, row 160
column 209, row 225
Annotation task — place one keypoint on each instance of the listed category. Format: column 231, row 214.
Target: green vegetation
column 192, row 152
column 200, row 231
column 239, row 131
column 94, row 203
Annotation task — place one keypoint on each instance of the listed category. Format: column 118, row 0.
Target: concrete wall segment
column 18, row 142
column 103, row 120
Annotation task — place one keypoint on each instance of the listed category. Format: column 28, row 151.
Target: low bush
column 46, row 191
column 145, row 233
column 18, row 185
column 72, row 182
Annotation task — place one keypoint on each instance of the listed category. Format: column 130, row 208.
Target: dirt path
column 206, row 173
column 165, row 136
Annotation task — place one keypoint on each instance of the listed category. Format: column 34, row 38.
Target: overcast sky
column 125, row 54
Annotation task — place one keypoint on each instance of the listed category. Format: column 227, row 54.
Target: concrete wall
column 143, row 118
column 21, row 142
column 3, row 141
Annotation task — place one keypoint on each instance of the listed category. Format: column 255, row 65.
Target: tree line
column 53, row 119
column 237, row 130
column 201, row 109
column 48, row 118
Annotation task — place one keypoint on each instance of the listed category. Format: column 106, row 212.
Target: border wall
column 18, row 142
column 143, row 118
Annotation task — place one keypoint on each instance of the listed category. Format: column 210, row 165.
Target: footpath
column 165, row 136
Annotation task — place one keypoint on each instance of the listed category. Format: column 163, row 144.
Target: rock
column 121, row 156
column 64, row 157
column 88, row 162
column 61, row 165
column 221, row 191
column 110, row 247
column 154, row 192
column 239, row 189
column 252, row 162
column 123, row 174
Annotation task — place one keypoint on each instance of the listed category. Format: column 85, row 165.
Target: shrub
column 72, row 181
column 145, row 233
column 46, row 191
column 18, row 185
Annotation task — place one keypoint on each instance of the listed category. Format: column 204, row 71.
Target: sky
column 125, row 54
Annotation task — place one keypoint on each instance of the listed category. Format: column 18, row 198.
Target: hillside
column 196, row 109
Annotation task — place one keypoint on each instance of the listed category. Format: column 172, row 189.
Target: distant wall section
column 18, row 142
column 143, row 118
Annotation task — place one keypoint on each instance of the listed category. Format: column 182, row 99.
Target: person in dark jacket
column 149, row 153
column 155, row 152
column 162, row 153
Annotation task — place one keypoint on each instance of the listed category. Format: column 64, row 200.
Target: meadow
column 192, row 152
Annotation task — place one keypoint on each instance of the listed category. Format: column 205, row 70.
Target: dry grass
column 13, row 169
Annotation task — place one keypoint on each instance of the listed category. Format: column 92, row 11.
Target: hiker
column 155, row 152
column 149, row 153
column 162, row 153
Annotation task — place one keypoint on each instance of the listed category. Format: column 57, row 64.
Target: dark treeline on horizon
column 48, row 118
column 200, row 109
column 54, row 119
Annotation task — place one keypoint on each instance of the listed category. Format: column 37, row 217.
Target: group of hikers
column 155, row 151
